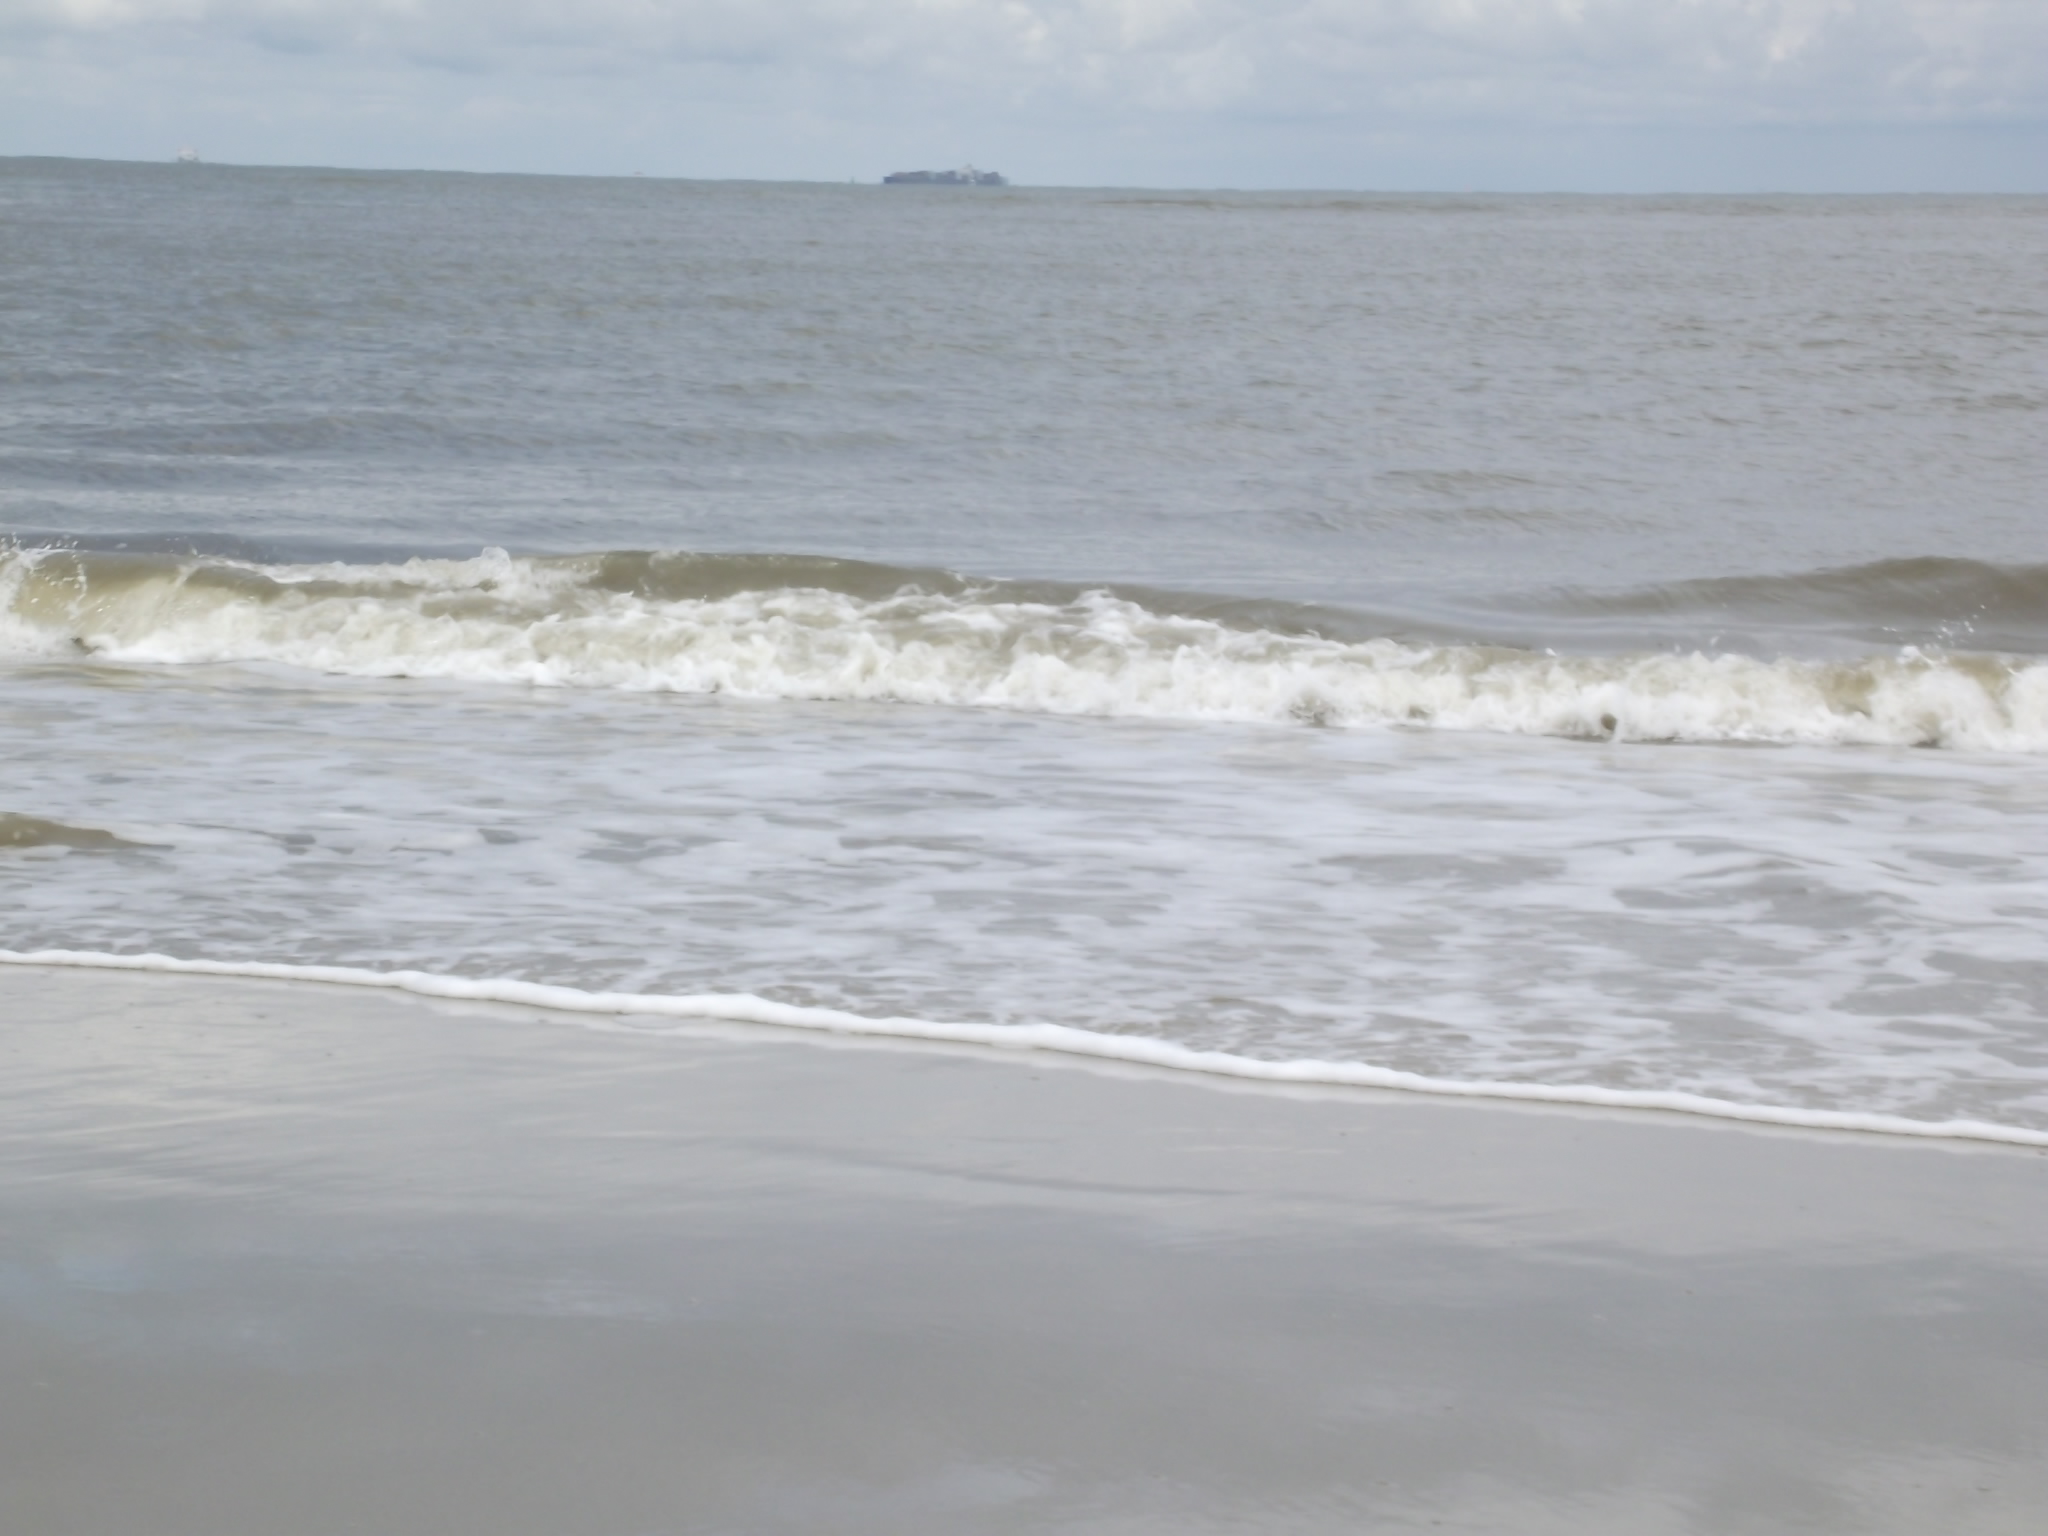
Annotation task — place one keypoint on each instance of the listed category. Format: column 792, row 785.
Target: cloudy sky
column 1849, row 95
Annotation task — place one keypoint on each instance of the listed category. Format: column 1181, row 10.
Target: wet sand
column 283, row 1258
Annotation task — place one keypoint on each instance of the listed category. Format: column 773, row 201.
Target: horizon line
column 1012, row 184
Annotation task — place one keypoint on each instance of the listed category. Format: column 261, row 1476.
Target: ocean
column 1572, row 647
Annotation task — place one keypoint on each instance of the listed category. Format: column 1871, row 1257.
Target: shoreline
column 322, row 1259
column 1056, row 1039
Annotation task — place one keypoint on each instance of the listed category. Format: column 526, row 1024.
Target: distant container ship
column 966, row 176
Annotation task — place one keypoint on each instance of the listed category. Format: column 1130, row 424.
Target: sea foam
column 1060, row 1039
column 629, row 622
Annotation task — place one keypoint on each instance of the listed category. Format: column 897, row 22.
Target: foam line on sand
column 1144, row 1050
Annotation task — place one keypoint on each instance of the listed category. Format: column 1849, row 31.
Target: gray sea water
column 1564, row 641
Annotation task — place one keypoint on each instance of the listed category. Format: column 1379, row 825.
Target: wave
column 1136, row 1049
column 799, row 627
column 1930, row 601
column 18, row 831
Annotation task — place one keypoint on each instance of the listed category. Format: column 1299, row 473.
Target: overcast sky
column 1707, row 95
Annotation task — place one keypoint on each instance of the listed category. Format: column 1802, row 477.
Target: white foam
column 549, row 623
column 744, row 1008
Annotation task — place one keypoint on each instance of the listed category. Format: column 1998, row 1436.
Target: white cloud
column 1562, row 58
column 1385, row 67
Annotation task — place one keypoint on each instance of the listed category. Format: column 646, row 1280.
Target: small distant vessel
column 188, row 155
column 966, row 176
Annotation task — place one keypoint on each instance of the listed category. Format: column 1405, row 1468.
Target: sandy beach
column 293, row 1258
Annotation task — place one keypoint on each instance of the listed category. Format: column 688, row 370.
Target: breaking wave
column 791, row 627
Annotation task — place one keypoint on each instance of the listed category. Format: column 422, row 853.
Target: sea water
column 1577, row 647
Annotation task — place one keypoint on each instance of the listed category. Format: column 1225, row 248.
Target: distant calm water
column 1559, row 641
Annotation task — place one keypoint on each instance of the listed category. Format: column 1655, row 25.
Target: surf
column 815, row 628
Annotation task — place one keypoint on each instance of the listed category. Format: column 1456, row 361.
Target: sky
column 1508, row 95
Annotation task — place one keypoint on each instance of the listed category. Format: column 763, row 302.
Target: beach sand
column 282, row 1258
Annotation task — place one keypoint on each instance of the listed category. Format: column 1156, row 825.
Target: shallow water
column 1493, row 639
